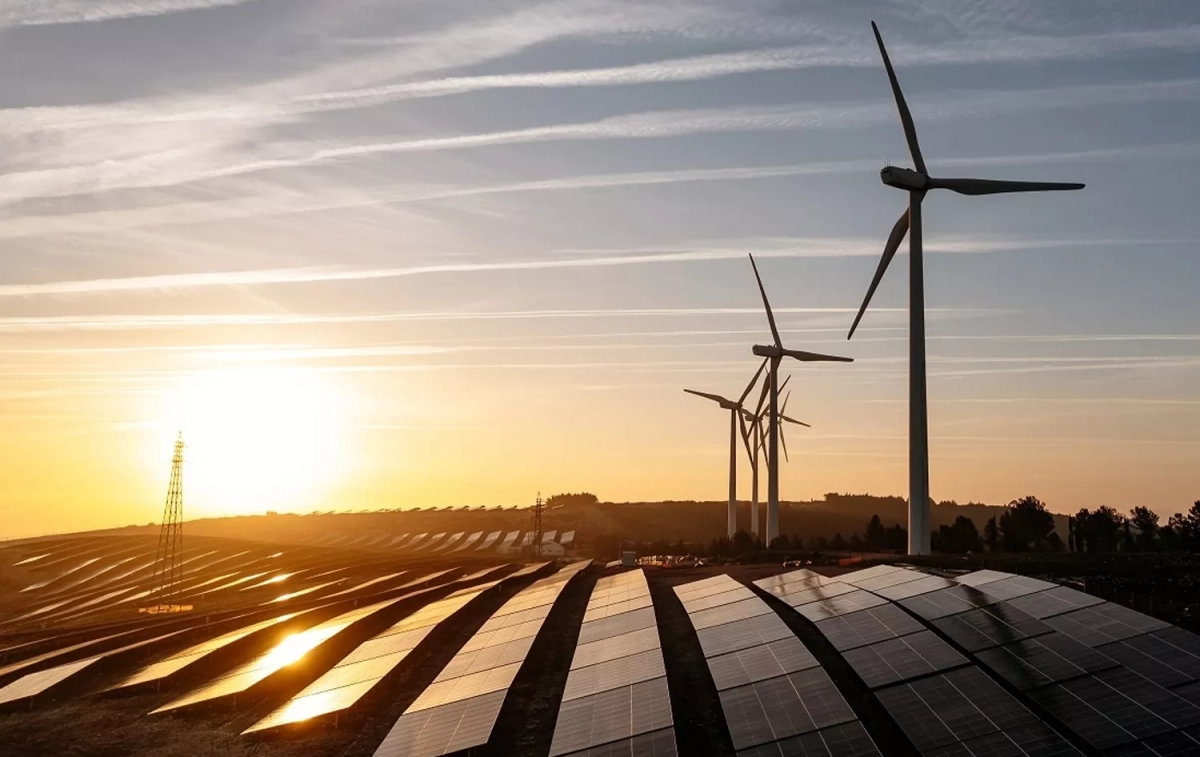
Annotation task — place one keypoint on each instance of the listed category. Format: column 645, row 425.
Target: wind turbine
column 753, row 440
column 775, row 353
column 735, row 413
column 917, row 183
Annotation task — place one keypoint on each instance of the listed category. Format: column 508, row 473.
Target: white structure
column 775, row 353
column 551, row 549
column 736, row 412
column 917, row 183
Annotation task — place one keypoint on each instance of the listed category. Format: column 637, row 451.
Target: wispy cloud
column 767, row 248
column 46, row 12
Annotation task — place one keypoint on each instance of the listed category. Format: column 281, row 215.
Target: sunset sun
column 258, row 438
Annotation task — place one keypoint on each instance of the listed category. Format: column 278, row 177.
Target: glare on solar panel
column 443, row 730
column 923, row 585
column 623, row 671
column 1016, row 586
column 840, row 605
column 615, row 646
column 735, row 594
column 616, row 624
column 980, row 577
column 611, row 716
column 990, row 626
column 937, row 604
column 801, row 594
column 742, row 634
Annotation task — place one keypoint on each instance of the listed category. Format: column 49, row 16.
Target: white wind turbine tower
column 754, row 441
column 735, row 414
column 917, row 183
column 775, row 353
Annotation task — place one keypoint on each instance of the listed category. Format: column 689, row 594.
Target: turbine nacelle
column 904, row 178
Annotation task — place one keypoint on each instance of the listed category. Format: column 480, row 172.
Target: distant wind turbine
column 917, row 183
column 735, row 409
column 775, row 353
column 754, row 441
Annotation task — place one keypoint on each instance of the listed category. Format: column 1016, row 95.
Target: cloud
column 700, row 252
column 46, row 12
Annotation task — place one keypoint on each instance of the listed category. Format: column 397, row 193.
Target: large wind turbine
column 775, row 353
column 754, row 441
column 735, row 414
column 917, row 183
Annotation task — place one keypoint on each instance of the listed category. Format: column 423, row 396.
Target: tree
column 1071, row 533
column 856, row 543
column 1127, row 542
column 781, row 543
column 1085, row 537
column 1145, row 522
column 582, row 499
column 743, row 543
column 1026, row 525
column 991, row 532
column 960, row 537
column 1104, row 526
column 876, row 534
column 839, row 542
column 896, row 538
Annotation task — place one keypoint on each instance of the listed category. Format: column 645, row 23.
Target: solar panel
column 798, row 594
column 840, row 605
column 955, row 706
column 1104, row 623
column 887, row 580
column 612, row 716
column 1103, row 716
column 746, row 608
column 1169, row 657
column 915, row 588
column 1053, row 657
column 937, row 604
column 760, row 663
column 742, row 634
column 781, row 707
column 902, row 659
column 1173, row 744
column 616, row 608
column 615, row 646
column 1027, row 740
column 858, row 577
column 442, row 730
column 979, row 577
column 845, row 740
column 616, row 625
column 35, row 683
column 623, row 671
column 654, row 744
column 990, row 626
column 568, row 537
column 868, row 626
column 467, row 542
column 1056, row 601
column 735, row 594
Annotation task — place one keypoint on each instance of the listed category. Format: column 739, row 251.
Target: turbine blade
column 906, row 120
column 753, row 381
column 783, row 441
column 816, row 357
column 783, row 408
column 793, row 420
column 889, row 252
column 762, row 397
column 994, row 187
column 746, row 439
column 766, row 304
column 785, row 383
column 714, row 397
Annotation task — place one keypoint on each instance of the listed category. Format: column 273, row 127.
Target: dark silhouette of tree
column 1104, row 529
column 991, row 532
column 1071, row 532
column 896, row 538
column 1026, row 525
column 1127, row 542
column 781, row 543
column 582, row 499
column 820, row 544
column 743, row 543
column 959, row 538
column 838, row 543
column 1145, row 522
column 856, row 543
column 876, row 534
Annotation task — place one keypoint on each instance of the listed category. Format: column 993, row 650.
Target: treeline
column 1107, row 530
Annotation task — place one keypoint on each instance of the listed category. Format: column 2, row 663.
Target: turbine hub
column 767, row 350
column 904, row 178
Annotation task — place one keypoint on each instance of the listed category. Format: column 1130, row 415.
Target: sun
column 258, row 439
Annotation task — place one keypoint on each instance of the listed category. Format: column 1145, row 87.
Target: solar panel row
column 776, row 697
column 459, row 709
column 616, row 700
column 343, row 685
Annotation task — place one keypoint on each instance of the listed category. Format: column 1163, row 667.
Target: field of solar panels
column 332, row 651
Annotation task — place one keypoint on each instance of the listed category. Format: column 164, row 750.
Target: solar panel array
column 459, row 709
column 616, row 699
column 776, row 697
column 938, row 652
column 351, row 678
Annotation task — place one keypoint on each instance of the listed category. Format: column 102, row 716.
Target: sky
column 371, row 254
